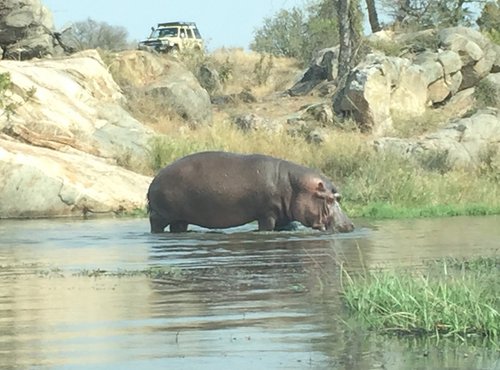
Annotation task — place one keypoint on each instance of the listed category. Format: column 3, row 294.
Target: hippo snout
column 338, row 220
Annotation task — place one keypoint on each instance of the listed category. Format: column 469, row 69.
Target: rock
column 477, row 53
column 166, row 79
column 39, row 182
column 438, row 91
column 429, row 62
column 253, row 122
column 321, row 113
column 379, row 87
column 450, row 61
column 381, row 36
column 244, row 96
column 495, row 68
column 316, row 136
column 327, row 88
column 459, row 104
column 494, row 80
column 463, row 141
column 26, row 30
column 323, row 67
column 71, row 105
column 209, row 79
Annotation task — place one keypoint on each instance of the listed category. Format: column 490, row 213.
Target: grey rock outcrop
column 323, row 67
column 476, row 53
column 71, row 104
column 61, row 145
column 165, row 79
column 254, row 122
column 26, row 30
column 210, row 80
column 40, row 182
column 382, row 87
column 464, row 141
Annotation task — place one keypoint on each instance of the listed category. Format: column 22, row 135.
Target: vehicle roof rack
column 169, row 24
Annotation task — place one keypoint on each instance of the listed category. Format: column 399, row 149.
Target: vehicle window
column 197, row 33
column 190, row 33
column 168, row 32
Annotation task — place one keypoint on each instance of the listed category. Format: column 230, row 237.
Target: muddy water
column 72, row 296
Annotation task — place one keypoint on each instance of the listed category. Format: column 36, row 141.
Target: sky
column 222, row 23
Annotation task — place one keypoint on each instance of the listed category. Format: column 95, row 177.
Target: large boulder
column 71, row 104
column 26, row 29
column 477, row 53
column 463, row 142
column 380, row 87
column 40, row 182
column 324, row 66
column 164, row 78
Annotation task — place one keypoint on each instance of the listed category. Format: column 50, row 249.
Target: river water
column 105, row 293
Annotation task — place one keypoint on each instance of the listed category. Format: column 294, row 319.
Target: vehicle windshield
column 165, row 32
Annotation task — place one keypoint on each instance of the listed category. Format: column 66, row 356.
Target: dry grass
column 373, row 184
column 241, row 66
column 431, row 120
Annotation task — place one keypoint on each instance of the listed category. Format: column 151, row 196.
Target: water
column 72, row 295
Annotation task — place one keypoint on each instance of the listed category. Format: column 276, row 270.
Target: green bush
column 486, row 94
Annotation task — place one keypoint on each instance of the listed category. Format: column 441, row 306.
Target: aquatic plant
column 448, row 298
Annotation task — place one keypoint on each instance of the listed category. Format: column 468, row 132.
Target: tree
column 373, row 16
column 281, row 35
column 420, row 14
column 298, row 33
column 90, row 34
column 345, row 51
column 349, row 16
column 489, row 20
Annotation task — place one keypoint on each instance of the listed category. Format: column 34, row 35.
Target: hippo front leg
column 157, row 222
column 267, row 223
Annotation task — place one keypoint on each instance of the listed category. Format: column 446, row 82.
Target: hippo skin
column 219, row 190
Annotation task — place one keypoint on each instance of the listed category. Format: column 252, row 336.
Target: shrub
column 487, row 94
column 90, row 34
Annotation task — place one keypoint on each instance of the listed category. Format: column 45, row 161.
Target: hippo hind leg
column 178, row 227
column 158, row 223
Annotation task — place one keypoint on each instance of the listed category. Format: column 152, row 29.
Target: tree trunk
column 373, row 16
column 345, row 47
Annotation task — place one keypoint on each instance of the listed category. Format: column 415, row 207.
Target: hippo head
column 317, row 205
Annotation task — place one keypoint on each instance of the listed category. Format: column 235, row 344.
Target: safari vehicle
column 173, row 37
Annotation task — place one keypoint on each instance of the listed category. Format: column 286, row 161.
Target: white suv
column 173, row 37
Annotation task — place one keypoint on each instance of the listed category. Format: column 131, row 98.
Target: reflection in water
column 233, row 298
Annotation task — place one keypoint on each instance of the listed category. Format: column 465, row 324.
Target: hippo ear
column 321, row 190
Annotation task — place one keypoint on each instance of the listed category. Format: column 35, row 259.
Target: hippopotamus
column 219, row 190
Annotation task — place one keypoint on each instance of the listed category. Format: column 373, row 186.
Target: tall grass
column 373, row 184
column 449, row 298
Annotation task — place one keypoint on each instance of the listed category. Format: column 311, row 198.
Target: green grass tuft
column 449, row 298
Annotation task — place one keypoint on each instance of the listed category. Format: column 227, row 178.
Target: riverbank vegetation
column 448, row 298
column 373, row 184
